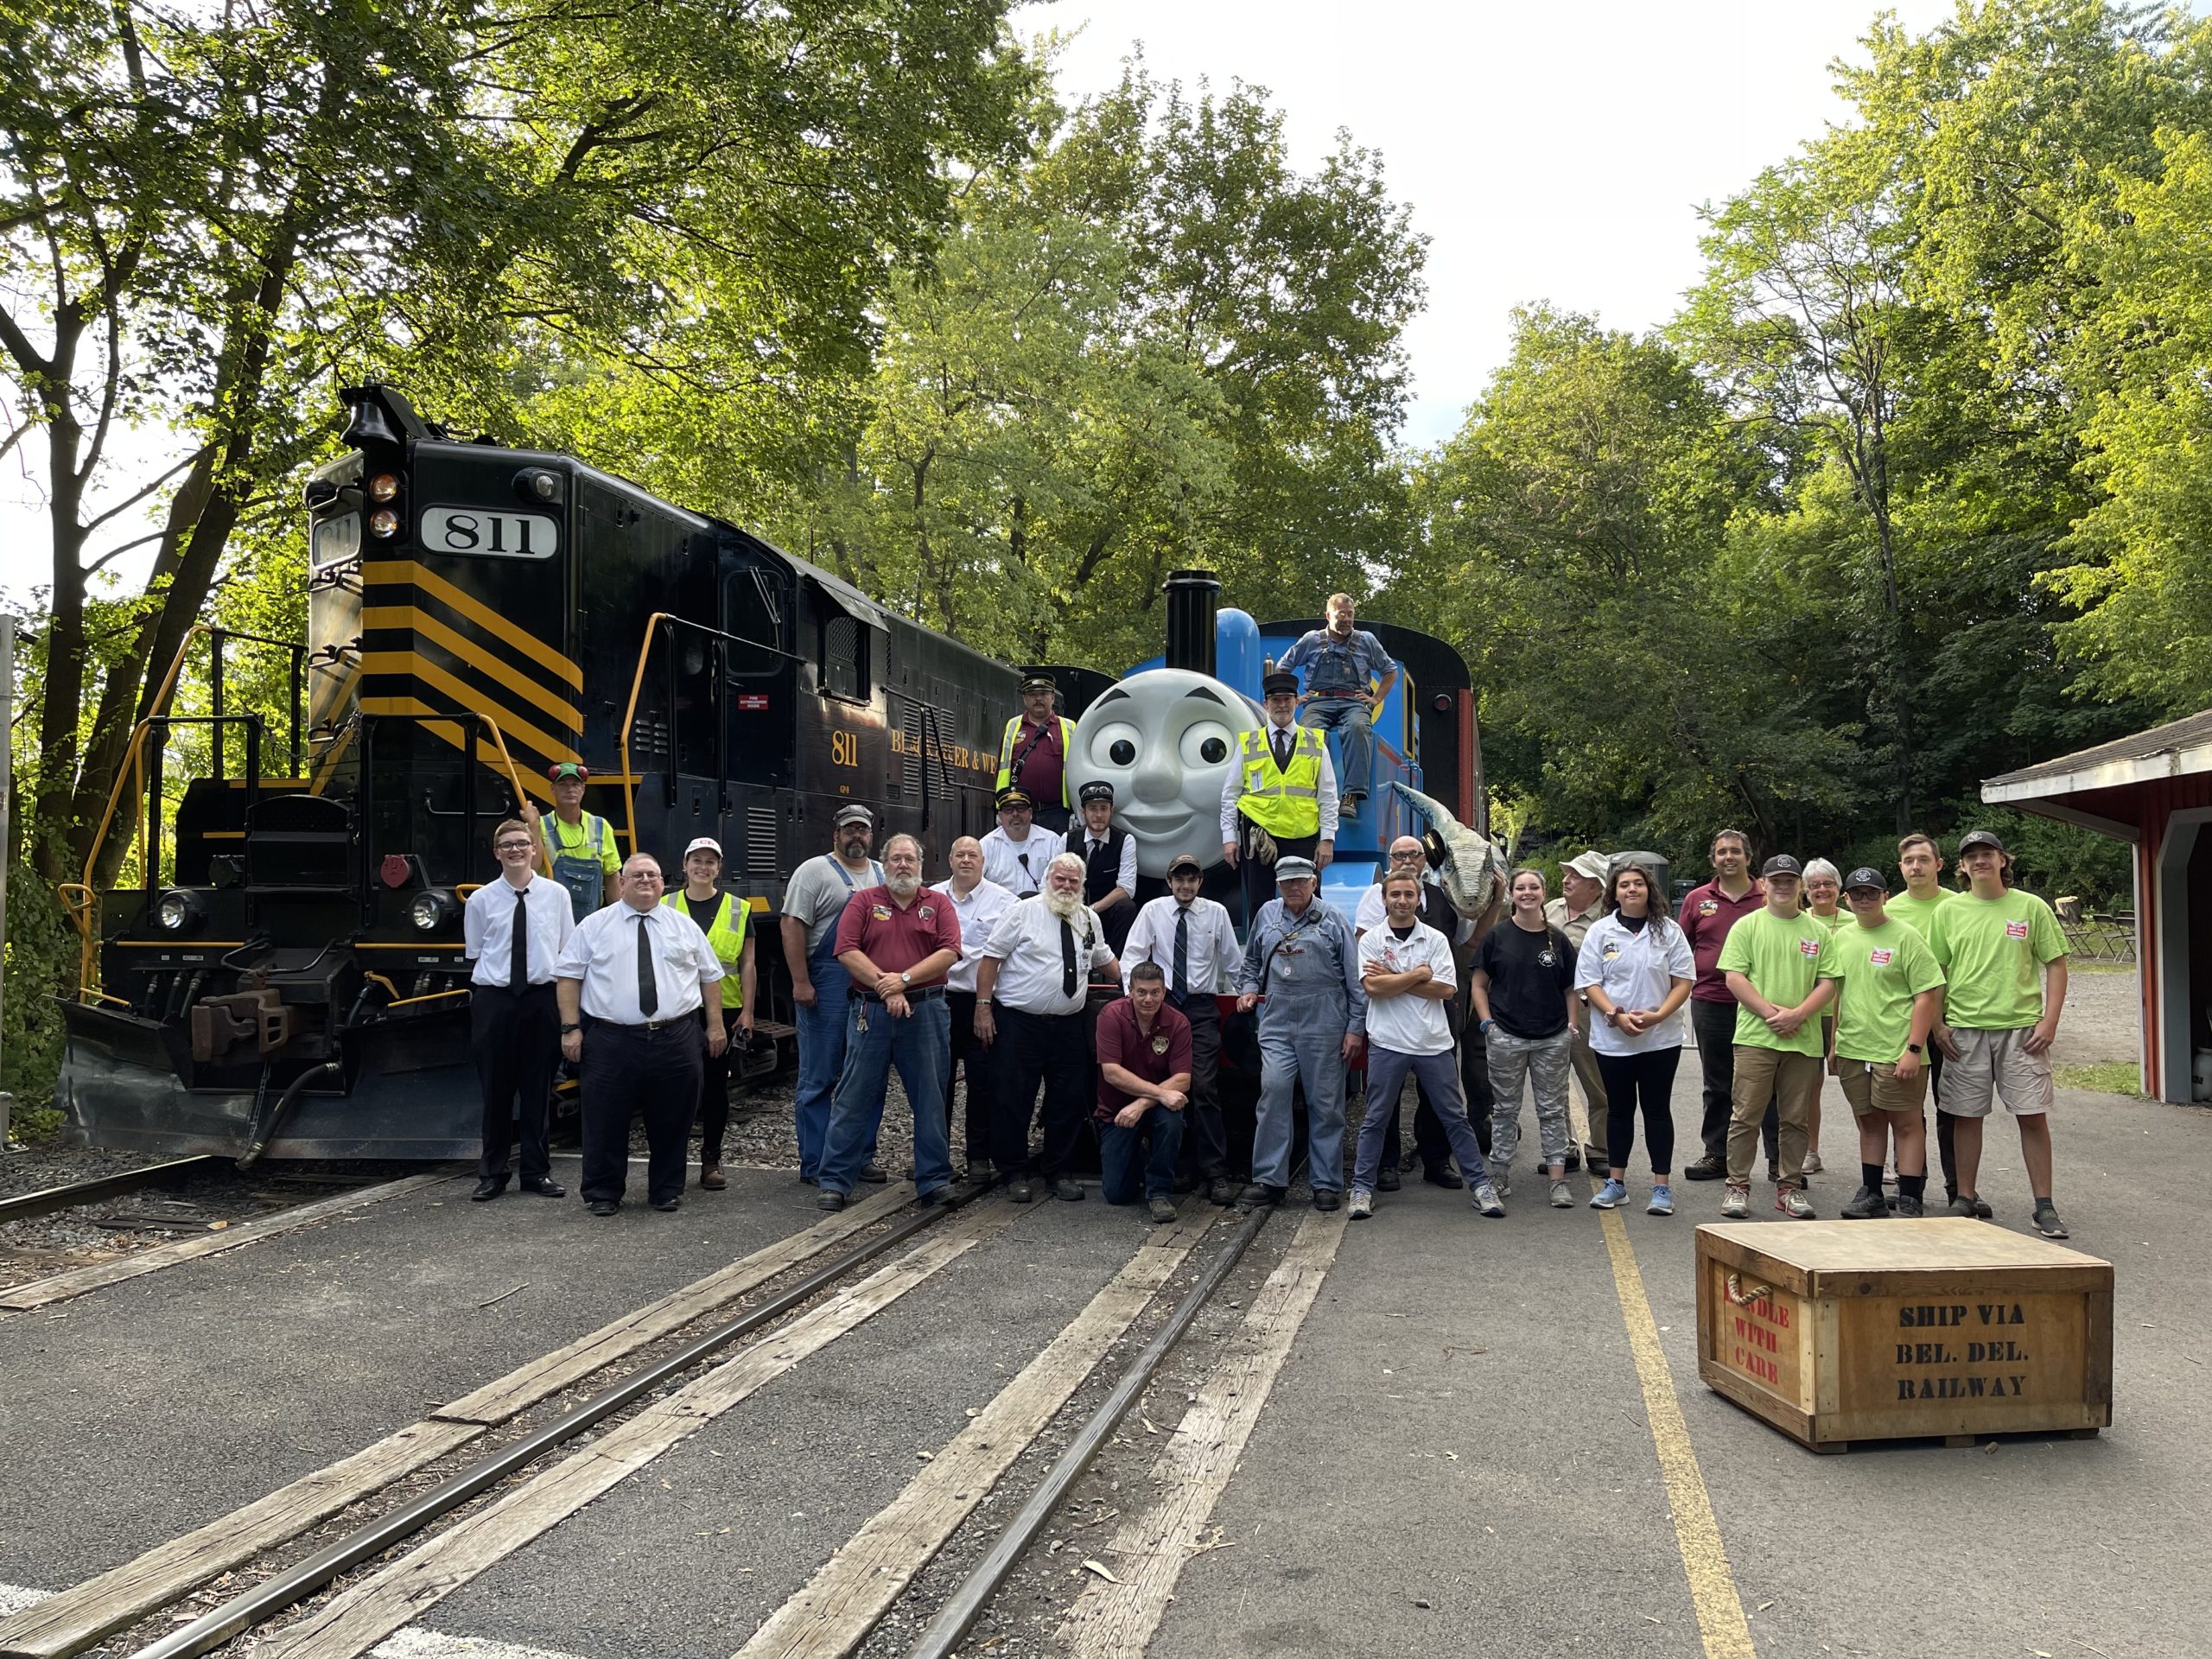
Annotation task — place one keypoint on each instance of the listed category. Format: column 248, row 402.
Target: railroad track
column 26, row 1206
column 374, row 1541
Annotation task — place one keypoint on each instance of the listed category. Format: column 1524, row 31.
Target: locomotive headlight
column 384, row 486
column 431, row 909
column 383, row 522
column 536, row 484
column 180, row 913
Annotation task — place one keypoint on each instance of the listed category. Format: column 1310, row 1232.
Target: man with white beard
column 1031, row 986
column 896, row 941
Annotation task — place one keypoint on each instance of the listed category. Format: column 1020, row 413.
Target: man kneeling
column 1144, row 1083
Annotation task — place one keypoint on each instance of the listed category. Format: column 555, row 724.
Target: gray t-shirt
column 817, row 893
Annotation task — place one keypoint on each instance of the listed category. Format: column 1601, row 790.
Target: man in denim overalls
column 1347, row 675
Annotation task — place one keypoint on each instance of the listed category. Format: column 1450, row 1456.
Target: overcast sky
column 1548, row 154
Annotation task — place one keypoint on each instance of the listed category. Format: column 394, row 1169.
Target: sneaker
column 1162, row 1211
column 1905, row 1204
column 1662, row 1200
column 1486, row 1199
column 1962, row 1206
column 1792, row 1202
column 1707, row 1169
column 1811, row 1163
column 2047, row 1221
column 1865, row 1205
column 1612, row 1193
column 1501, row 1177
column 1737, row 1204
column 1361, row 1205
column 1562, row 1196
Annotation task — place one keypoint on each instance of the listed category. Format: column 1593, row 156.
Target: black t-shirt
column 1530, row 975
column 703, row 909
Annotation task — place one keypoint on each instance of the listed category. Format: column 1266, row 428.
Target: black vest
column 1102, row 865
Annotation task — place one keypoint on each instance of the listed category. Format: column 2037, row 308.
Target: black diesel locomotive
column 287, row 974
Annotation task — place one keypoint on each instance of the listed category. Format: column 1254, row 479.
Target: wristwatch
column 565, row 1030
column 1913, row 1048
column 905, row 978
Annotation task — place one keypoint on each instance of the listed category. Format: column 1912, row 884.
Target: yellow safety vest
column 727, row 938
column 1006, row 755
column 1286, row 803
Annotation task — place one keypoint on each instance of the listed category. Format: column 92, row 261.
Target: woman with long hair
column 1636, row 970
column 1523, row 990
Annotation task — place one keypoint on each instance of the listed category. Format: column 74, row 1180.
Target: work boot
column 1221, row 1191
column 874, row 1173
column 1386, row 1180
column 711, row 1178
column 1258, row 1193
column 1018, row 1190
column 1437, row 1175
column 1060, row 1187
column 1161, row 1210
column 1324, row 1199
column 1707, row 1169
column 1865, row 1205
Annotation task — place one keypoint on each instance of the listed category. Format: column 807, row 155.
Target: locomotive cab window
column 844, row 658
column 752, row 612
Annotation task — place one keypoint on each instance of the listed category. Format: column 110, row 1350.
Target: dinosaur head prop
column 1469, row 867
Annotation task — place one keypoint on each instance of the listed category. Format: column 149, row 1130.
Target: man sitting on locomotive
column 579, row 845
column 1347, row 675
column 1018, row 852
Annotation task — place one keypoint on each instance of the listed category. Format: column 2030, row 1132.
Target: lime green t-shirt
column 1881, row 970
column 1991, row 951
column 1918, row 913
column 1841, row 919
column 1781, row 957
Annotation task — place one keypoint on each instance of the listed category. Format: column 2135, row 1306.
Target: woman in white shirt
column 1636, row 969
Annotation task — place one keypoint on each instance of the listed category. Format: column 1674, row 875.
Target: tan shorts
column 1996, row 1063
column 1878, row 1089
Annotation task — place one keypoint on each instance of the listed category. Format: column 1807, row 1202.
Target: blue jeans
column 1301, row 1044
column 1351, row 717
column 821, row 1058
column 920, row 1045
column 1119, row 1149
column 1386, row 1078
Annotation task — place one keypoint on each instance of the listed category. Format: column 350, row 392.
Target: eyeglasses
column 514, row 846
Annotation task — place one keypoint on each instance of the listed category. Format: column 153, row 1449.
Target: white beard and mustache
column 903, row 888
column 1066, row 905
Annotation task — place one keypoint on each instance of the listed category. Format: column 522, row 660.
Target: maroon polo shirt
column 1042, row 767
column 896, row 939
column 1708, row 914
column 1154, row 1058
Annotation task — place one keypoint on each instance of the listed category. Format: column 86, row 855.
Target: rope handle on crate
column 1743, row 1298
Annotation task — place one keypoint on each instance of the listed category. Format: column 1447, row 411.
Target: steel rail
column 296, row 1583
column 49, row 1200
column 946, row 1631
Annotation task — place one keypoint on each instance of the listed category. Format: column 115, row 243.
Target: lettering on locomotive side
column 844, row 748
column 958, row 755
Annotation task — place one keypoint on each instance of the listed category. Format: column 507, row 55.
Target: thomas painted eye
column 1114, row 745
column 1205, row 744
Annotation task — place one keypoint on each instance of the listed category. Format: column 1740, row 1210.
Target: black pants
column 629, row 1069
column 1645, row 1080
column 1260, row 879
column 1715, row 1026
column 972, row 1061
column 714, row 1091
column 517, row 1041
column 1205, row 1139
column 1946, row 1150
column 1033, row 1047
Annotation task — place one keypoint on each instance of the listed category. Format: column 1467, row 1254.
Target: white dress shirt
column 1233, row 788
column 1004, row 856
column 1214, row 954
column 487, row 928
column 1408, row 1023
column 1026, row 943
column 979, row 914
column 1126, row 877
column 602, row 952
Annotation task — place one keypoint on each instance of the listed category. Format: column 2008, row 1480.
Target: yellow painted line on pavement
column 1712, row 1587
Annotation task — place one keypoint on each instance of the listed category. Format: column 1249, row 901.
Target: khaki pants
column 1592, row 1129
column 1793, row 1081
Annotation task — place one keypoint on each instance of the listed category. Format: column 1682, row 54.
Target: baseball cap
column 1015, row 797
column 1295, row 869
column 568, row 769
column 1281, row 681
column 1591, row 866
column 1866, row 876
column 1185, row 862
column 705, row 844
column 1979, row 838
column 1096, row 789
column 855, row 814
column 1781, row 864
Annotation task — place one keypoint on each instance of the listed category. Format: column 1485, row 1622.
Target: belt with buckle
column 690, row 1019
column 914, row 993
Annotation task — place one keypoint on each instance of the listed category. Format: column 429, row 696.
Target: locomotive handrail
column 638, row 684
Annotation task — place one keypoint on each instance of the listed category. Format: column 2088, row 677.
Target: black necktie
column 518, row 948
column 1282, row 749
column 648, row 988
column 1067, row 958
column 1182, row 986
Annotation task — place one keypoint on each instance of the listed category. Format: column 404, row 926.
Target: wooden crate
column 1842, row 1331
